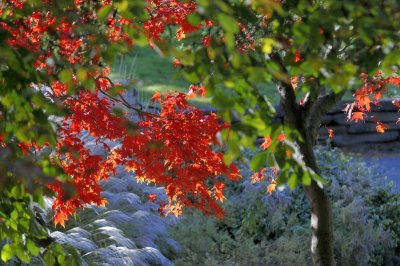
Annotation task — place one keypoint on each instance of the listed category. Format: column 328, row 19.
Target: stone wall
column 363, row 133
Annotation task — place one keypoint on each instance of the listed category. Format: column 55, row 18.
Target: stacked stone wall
column 363, row 133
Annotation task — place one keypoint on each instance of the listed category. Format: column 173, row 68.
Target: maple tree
column 313, row 52
column 56, row 64
column 172, row 148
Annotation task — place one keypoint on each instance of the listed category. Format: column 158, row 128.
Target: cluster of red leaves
column 174, row 148
column 11, row 4
column 115, row 30
column 169, row 12
column 74, row 46
column 271, row 172
column 164, row 13
column 29, row 32
column 91, row 113
column 171, row 149
column 195, row 90
column 267, row 141
column 371, row 93
column 261, row 174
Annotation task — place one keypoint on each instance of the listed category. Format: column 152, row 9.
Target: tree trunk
column 321, row 225
column 321, row 210
column 306, row 120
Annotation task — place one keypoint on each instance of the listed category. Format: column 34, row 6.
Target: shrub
column 274, row 230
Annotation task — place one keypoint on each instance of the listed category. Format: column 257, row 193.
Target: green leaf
column 258, row 161
column 192, row 77
column 391, row 59
column 33, row 249
column 104, row 11
column 14, row 215
column 228, row 23
column 7, row 252
column 293, row 180
column 49, row 258
column 81, row 74
column 306, row 180
column 36, row 230
column 320, row 179
column 22, row 254
column 194, row 19
column 61, row 259
column 66, row 76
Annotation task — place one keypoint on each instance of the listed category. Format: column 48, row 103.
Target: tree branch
column 289, row 105
column 322, row 105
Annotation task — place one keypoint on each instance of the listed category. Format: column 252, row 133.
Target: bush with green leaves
column 260, row 229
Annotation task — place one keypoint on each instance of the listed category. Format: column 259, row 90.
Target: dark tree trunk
column 321, row 210
column 306, row 120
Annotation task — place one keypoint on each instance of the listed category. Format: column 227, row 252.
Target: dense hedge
column 274, row 230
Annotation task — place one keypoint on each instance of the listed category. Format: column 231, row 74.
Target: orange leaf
column 378, row 95
column 271, row 187
column 202, row 91
column 357, row 116
column 219, row 191
column 258, row 176
column 362, row 99
column 294, row 81
column 60, row 218
column 297, row 56
column 156, row 97
column 381, row 127
column 192, row 93
column 281, row 137
column 176, row 63
column 330, row 133
column 267, row 142
column 103, row 202
column 180, row 34
column 152, row 197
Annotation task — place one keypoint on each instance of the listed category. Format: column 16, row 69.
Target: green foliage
column 328, row 44
column 19, row 214
column 274, row 230
column 149, row 71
